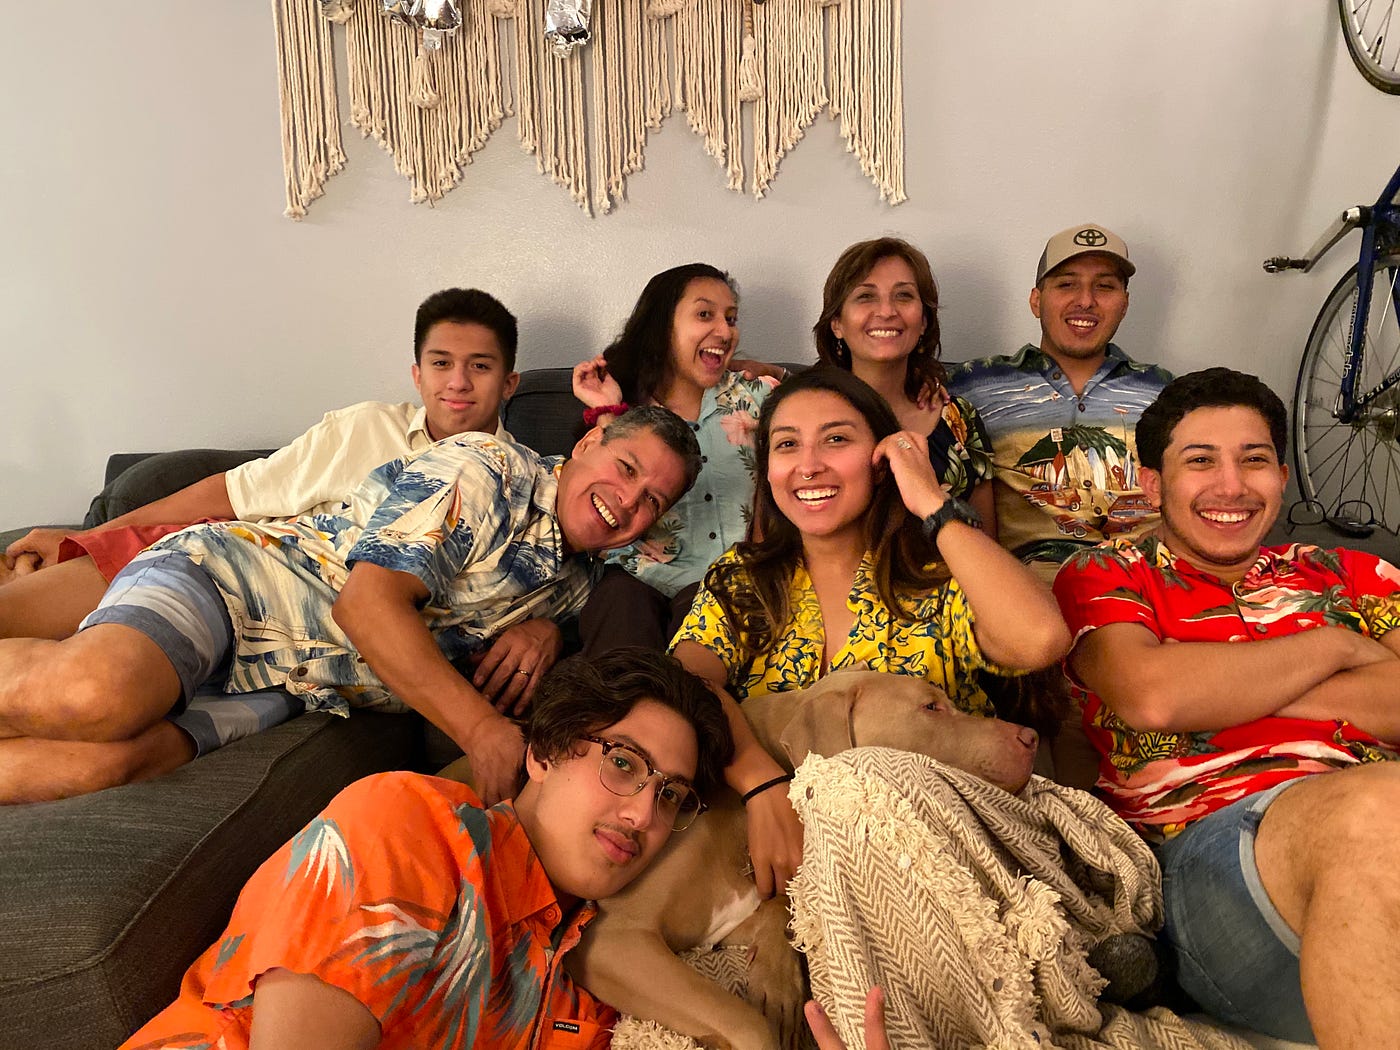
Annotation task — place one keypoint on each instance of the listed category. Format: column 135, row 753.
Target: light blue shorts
column 174, row 603
column 1235, row 954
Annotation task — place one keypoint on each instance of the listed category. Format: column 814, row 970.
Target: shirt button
column 695, row 426
column 1081, row 406
column 704, row 459
column 1088, row 484
column 713, row 536
column 299, row 672
column 1262, row 628
column 551, row 914
column 708, row 497
column 1056, row 375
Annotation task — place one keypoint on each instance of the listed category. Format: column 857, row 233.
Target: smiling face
column 704, row 335
column 1080, row 305
column 592, row 842
column 882, row 318
column 611, row 492
column 819, row 464
column 1220, row 489
column 461, row 376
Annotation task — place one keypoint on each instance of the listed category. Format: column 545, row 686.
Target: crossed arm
column 1178, row 687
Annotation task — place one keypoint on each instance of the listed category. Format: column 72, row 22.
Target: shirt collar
column 418, row 434
column 528, row 891
column 1031, row 358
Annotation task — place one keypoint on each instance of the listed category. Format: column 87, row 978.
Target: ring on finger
column 905, row 444
column 521, row 670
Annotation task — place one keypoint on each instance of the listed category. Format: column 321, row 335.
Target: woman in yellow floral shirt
column 863, row 557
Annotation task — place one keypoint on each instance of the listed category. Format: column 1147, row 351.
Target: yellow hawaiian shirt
column 936, row 643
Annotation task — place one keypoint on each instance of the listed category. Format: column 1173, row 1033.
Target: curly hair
column 1208, row 388
column 752, row 590
column 923, row 367
column 582, row 696
column 640, row 358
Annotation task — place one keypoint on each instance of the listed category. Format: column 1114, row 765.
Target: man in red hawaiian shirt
column 1217, row 677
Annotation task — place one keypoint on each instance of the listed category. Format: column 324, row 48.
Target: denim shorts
column 174, row 603
column 1235, row 954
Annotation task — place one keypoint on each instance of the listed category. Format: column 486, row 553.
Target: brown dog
column 699, row 892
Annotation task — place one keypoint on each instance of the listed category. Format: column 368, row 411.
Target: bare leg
column 295, row 1010
column 108, row 683
column 51, row 603
column 1328, row 851
column 33, row 770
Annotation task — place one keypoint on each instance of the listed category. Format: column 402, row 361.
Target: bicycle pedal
column 1352, row 530
column 1279, row 263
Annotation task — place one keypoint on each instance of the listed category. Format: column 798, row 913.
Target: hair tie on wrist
column 783, row 779
column 590, row 415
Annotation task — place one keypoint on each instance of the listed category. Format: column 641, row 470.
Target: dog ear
column 821, row 722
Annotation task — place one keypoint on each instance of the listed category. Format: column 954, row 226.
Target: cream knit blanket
column 974, row 909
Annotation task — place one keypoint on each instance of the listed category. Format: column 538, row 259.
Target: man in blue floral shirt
column 433, row 555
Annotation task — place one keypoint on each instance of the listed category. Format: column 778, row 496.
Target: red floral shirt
column 1161, row 781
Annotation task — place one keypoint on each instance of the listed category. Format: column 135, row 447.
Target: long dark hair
column 640, row 358
column 922, row 368
column 753, row 590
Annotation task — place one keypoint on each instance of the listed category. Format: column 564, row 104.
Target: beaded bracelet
column 590, row 415
column 785, row 778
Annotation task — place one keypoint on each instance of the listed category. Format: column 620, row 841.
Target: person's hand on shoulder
column 751, row 369
column 906, row 453
column 496, row 752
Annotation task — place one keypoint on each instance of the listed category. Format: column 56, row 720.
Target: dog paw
column 777, row 982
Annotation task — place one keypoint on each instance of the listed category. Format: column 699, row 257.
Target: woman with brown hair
column 879, row 320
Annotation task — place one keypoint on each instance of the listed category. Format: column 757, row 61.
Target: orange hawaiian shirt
column 431, row 911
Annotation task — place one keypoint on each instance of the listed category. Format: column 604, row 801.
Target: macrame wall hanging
column 431, row 80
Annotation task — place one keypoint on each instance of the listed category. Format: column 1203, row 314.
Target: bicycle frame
column 1380, row 233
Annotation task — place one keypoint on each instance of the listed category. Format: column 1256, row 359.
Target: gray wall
column 154, row 297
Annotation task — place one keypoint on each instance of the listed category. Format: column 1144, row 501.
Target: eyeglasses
column 625, row 772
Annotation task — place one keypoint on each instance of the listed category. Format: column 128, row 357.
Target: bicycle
column 1372, row 34
column 1346, row 403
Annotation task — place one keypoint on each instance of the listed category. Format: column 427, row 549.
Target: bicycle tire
column 1371, row 29
column 1352, row 469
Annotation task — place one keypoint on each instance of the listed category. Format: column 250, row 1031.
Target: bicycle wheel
column 1372, row 32
column 1351, row 469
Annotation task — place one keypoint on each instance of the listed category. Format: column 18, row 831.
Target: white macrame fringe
column 431, row 110
column 310, row 112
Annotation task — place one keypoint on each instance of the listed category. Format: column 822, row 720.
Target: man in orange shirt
column 406, row 915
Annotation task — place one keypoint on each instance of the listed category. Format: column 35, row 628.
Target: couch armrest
column 135, row 479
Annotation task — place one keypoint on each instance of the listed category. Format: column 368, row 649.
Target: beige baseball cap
column 1077, row 240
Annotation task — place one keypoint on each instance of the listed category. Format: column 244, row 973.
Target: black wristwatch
column 953, row 509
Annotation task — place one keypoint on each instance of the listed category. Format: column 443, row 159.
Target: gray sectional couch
column 106, row 899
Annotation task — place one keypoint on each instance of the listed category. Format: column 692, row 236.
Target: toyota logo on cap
column 1090, row 238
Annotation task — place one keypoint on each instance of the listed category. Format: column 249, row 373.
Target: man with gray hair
column 431, row 557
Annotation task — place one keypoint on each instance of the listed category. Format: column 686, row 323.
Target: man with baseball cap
column 1061, row 415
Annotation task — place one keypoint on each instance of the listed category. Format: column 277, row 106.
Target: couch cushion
column 137, row 478
column 106, row 899
column 543, row 414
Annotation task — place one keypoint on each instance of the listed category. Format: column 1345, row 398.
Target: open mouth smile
column 815, row 497
column 1226, row 517
column 602, row 509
